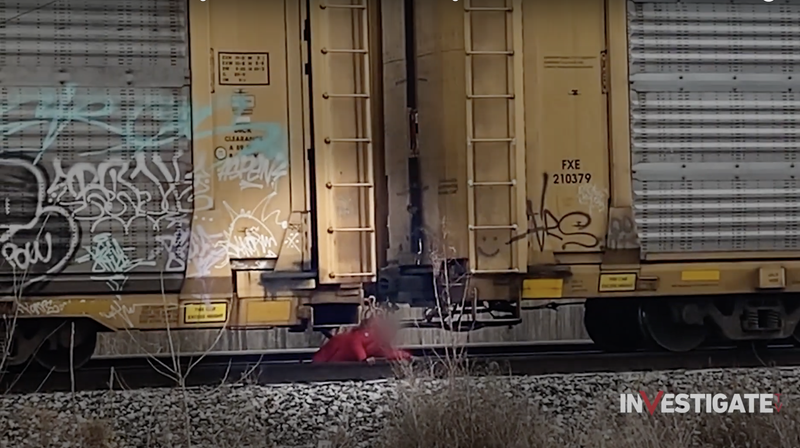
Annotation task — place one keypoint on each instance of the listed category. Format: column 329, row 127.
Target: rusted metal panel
column 715, row 125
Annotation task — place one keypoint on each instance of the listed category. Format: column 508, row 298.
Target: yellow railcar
column 197, row 164
column 641, row 155
column 185, row 164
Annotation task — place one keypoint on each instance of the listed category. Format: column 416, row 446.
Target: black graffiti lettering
column 569, row 229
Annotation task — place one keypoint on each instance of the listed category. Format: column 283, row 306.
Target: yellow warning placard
column 700, row 276
column 617, row 282
column 542, row 288
column 205, row 313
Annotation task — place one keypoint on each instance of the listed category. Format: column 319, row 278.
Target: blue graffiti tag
column 271, row 144
column 172, row 115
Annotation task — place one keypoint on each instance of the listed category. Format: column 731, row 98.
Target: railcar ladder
column 515, row 138
column 364, row 142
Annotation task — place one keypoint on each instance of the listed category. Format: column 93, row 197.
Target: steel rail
column 279, row 367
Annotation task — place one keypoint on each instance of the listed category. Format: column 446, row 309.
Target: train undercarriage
column 676, row 324
column 682, row 324
column 55, row 344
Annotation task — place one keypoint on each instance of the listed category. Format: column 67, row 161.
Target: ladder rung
column 488, row 8
column 472, row 54
column 483, row 97
column 343, row 6
column 353, row 185
column 506, row 227
column 366, row 139
column 495, row 271
column 510, row 183
column 345, row 95
column 345, row 50
column 490, row 140
column 489, row 53
column 351, row 229
column 352, row 274
column 347, row 140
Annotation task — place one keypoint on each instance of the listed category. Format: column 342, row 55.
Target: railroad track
column 295, row 367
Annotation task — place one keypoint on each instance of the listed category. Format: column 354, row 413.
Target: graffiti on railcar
column 255, row 157
column 123, row 191
column 105, row 184
column 262, row 142
column 115, row 165
column 110, row 260
column 256, row 240
column 37, row 238
column 42, row 307
column 569, row 229
column 257, row 171
column 593, row 197
column 247, row 232
column 622, row 232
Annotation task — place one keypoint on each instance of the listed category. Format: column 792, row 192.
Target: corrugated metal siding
column 96, row 158
column 715, row 119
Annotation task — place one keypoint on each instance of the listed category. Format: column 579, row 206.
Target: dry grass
column 469, row 414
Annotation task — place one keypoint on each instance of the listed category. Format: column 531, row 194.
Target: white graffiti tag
column 594, row 197
column 41, row 308
column 201, row 178
column 252, row 172
column 249, row 235
column 207, row 251
column 123, row 191
column 110, row 261
column 30, row 254
column 176, row 247
column 27, row 238
column 120, row 310
column 292, row 240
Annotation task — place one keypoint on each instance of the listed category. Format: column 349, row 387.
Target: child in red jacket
column 370, row 340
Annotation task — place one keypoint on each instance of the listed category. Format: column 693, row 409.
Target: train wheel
column 70, row 345
column 613, row 324
column 658, row 323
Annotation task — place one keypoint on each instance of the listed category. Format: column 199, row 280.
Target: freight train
column 191, row 164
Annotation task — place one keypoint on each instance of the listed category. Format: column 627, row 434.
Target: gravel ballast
column 303, row 415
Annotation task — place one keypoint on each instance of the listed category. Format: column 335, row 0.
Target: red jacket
column 356, row 346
